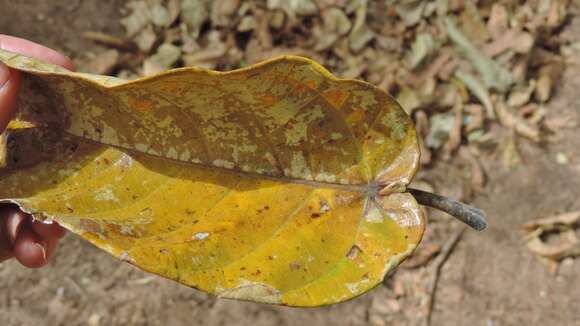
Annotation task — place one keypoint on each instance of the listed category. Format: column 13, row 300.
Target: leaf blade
column 157, row 113
column 319, row 234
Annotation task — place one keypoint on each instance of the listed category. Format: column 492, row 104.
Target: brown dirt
column 490, row 279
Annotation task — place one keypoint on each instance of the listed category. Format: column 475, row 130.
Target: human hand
column 31, row 242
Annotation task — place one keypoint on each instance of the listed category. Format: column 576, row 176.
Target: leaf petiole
column 474, row 217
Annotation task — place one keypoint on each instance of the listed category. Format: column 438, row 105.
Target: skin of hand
column 31, row 242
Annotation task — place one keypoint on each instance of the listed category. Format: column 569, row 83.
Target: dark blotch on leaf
column 353, row 252
column 295, row 266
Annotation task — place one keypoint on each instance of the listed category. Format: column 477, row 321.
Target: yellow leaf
column 276, row 183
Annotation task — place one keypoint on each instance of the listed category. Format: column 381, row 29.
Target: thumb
column 9, row 84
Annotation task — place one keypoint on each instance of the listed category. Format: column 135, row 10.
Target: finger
column 6, row 248
column 51, row 245
column 9, row 84
column 29, row 249
column 48, row 230
column 15, row 220
column 31, row 49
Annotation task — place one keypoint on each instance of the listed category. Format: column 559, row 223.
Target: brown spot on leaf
column 295, row 266
column 353, row 252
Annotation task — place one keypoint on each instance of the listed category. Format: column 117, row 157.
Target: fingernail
column 13, row 225
column 4, row 74
column 42, row 250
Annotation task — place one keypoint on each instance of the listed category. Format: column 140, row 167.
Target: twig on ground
column 436, row 270
column 120, row 43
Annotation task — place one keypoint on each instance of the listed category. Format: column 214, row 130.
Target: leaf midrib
column 370, row 188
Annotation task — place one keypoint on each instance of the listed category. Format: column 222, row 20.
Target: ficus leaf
column 275, row 183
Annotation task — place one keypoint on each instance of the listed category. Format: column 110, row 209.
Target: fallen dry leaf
column 455, row 134
column 476, row 170
column 222, row 11
column 497, row 23
column 561, row 226
column 422, row 256
column 494, row 76
column 110, row 40
column 360, row 33
column 478, row 90
column 103, row 63
column 519, row 42
column 145, row 39
column 520, row 96
column 547, row 77
column 519, row 125
column 476, row 117
column 569, row 219
column 422, row 125
column 194, row 13
column 422, row 48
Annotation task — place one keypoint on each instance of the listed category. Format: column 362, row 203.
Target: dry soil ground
column 490, row 279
